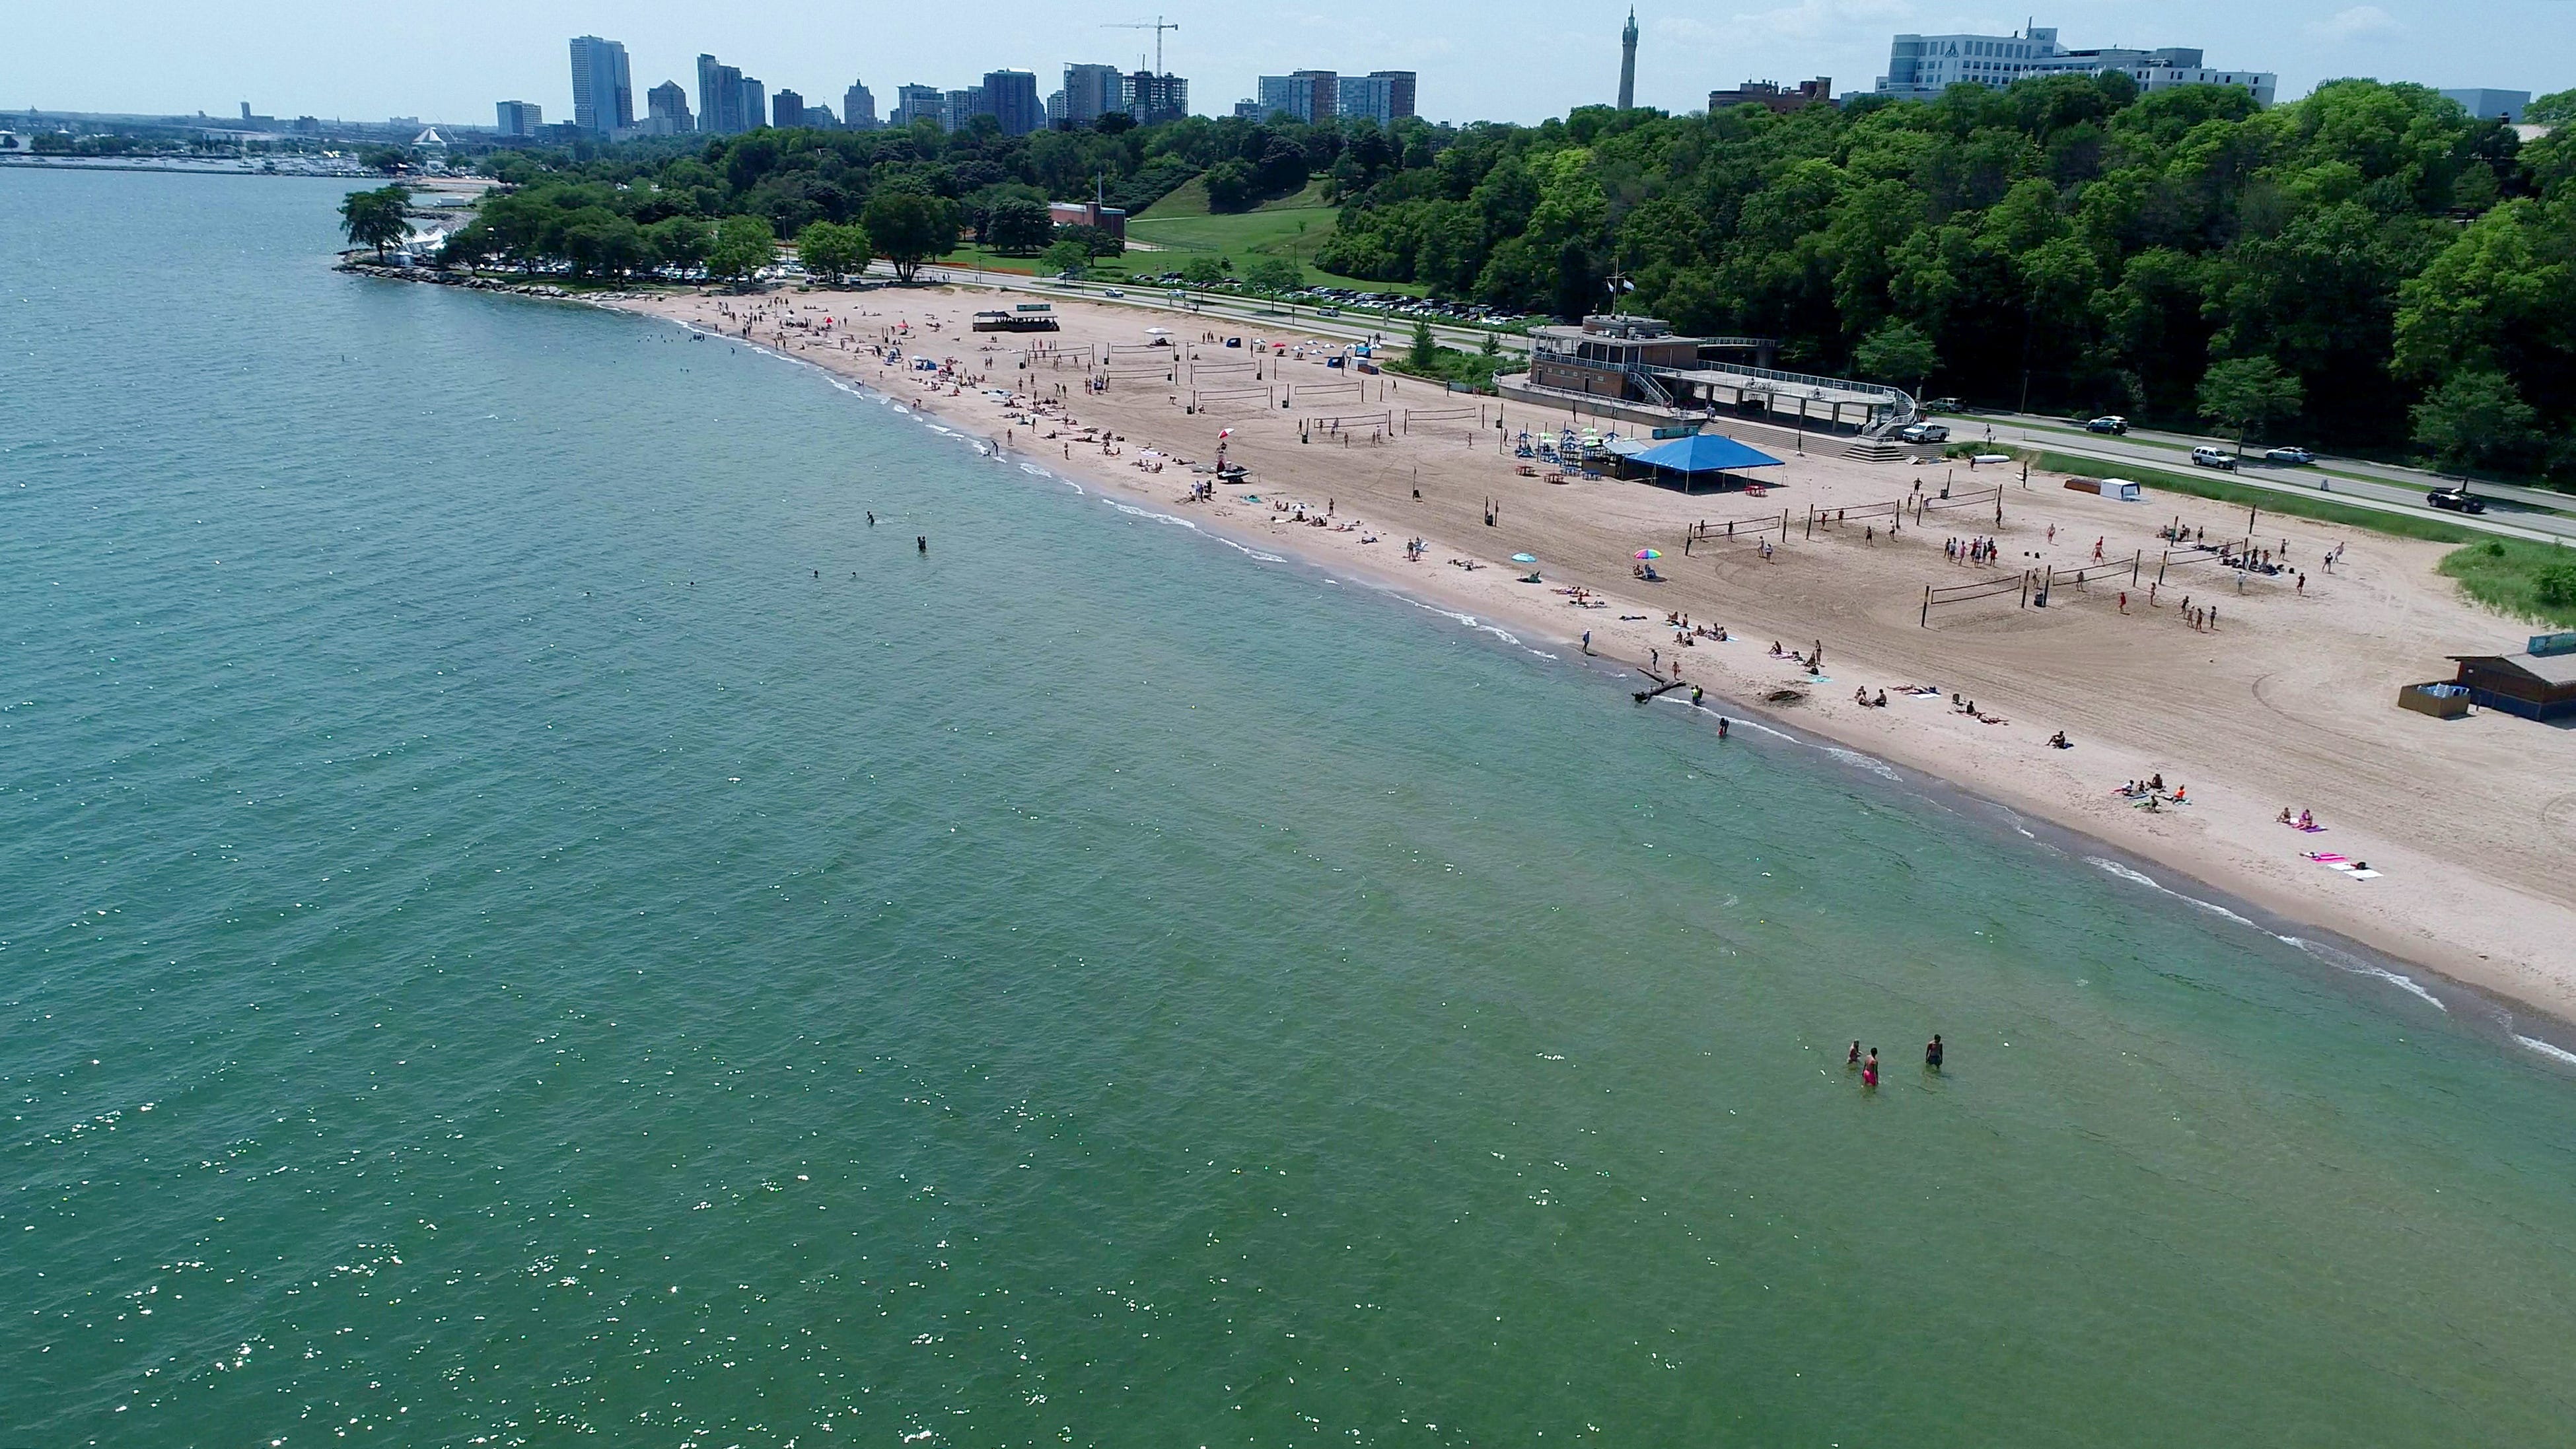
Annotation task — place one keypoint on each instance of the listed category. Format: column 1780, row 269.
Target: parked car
column 2457, row 500
column 2209, row 457
column 1924, row 433
column 1941, row 405
column 2300, row 456
column 2108, row 423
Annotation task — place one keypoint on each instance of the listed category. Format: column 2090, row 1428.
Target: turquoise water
column 495, row 950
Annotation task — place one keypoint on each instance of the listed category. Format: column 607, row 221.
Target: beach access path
column 2289, row 701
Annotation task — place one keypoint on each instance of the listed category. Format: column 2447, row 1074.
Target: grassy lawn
column 2535, row 581
column 1190, row 198
column 1294, row 227
column 970, row 254
column 2298, row 505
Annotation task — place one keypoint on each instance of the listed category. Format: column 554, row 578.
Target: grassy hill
column 1191, row 199
column 1182, row 227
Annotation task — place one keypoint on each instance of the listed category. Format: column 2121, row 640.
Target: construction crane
column 1158, row 27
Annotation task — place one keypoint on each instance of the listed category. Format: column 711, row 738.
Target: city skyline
column 288, row 62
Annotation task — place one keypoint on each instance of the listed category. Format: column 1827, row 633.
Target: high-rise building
column 1092, row 91
column 1011, row 97
column 1772, row 96
column 720, row 109
column 1383, row 96
column 1923, row 66
column 787, row 109
column 919, row 103
column 1152, row 98
column 1628, row 63
column 520, row 118
column 964, row 106
column 858, row 108
column 755, row 104
column 669, row 104
column 1306, row 95
column 603, row 96
column 1247, row 110
column 2487, row 105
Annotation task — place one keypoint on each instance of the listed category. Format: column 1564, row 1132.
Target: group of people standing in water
column 1867, row 1063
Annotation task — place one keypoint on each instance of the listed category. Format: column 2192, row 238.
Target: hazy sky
column 1479, row 59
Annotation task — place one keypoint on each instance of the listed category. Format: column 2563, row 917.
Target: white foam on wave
column 1470, row 620
column 1247, row 550
column 2137, row 877
column 2340, row 960
column 1034, row 471
column 1135, row 512
column 1871, row 763
column 2345, row 961
column 2554, row 1053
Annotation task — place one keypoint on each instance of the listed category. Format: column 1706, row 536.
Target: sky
column 1512, row 60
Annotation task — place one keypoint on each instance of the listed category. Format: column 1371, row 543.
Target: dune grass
column 2519, row 579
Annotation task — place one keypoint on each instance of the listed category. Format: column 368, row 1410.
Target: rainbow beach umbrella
column 1649, row 553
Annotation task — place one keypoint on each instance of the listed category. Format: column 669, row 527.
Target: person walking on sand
column 1932, row 1052
column 1587, row 643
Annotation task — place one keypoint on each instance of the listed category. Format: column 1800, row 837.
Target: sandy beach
column 2285, row 701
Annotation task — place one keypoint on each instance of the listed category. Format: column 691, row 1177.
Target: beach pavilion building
column 1639, row 369
column 2539, row 683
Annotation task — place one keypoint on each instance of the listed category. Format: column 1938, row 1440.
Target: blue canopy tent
column 1701, row 454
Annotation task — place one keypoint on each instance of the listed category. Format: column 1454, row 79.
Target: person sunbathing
column 1881, row 701
column 2306, row 820
column 2285, row 816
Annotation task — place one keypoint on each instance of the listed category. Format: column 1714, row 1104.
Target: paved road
column 2176, row 448
column 2505, row 518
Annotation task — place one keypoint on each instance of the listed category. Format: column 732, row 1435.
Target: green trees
column 2474, row 418
column 1233, row 186
column 2244, row 393
column 376, row 218
column 1897, row 351
column 1424, row 354
column 600, row 243
column 743, row 245
column 832, row 249
column 1206, row 271
column 909, row 228
column 1276, row 275
column 679, row 241
column 1019, row 226
column 1065, row 256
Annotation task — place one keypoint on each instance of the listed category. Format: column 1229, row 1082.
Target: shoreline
column 2256, row 899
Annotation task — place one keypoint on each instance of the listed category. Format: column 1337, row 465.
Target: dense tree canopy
column 2101, row 247
column 2067, row 241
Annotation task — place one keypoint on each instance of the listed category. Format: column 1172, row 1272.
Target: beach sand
column 2289, row 702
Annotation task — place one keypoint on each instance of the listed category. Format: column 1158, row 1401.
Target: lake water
column 493, row 948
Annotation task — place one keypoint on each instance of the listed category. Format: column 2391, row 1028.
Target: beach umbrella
column 1525, row 558
column 1649, row 553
